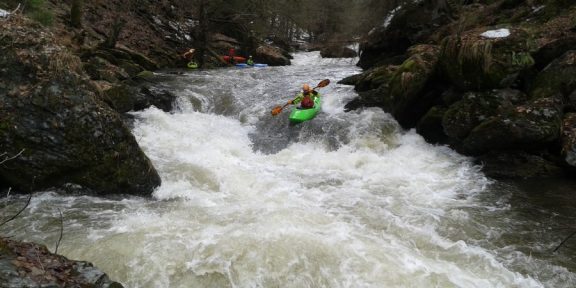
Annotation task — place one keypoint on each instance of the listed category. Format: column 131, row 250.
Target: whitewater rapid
column 247, row 200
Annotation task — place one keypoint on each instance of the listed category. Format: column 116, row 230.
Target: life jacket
column 307, row 102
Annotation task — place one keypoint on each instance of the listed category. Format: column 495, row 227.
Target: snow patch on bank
column 500, row 33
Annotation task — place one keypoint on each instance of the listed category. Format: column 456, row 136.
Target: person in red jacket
column 305, row 98
column 231, row 54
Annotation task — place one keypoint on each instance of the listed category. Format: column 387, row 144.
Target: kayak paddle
column 276, row 110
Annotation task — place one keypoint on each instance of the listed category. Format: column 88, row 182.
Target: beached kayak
column 237, row 59
column 244, row 65
column 300, row 115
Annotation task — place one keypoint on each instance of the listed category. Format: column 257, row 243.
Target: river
column 346, row 200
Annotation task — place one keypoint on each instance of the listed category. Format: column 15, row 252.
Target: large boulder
column 477, row 107
column 552, row 50
column 400, row 90
column 403, row 27
column 558, row 77
column 484, row 58
column 271, row 55
column 430, row 125
column 54, row 122
column 124, row 98
column 517, row 164
column 409, row 99
column 337, row 52
column 530, row 126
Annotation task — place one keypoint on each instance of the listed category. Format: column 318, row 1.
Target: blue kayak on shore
column 244, row 65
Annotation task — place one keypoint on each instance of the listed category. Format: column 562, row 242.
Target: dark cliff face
column 52, row 118
column 506, row 94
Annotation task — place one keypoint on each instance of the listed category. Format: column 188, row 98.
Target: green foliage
column 45, row 18
column 522, row 59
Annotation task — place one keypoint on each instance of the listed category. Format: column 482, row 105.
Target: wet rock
column 337, row 52
column 474, row 62
column 430, row 126
column 31, row 265
column 518, row 165
column 569, row 139
column 53, row 116
column 533, row 125
column 558, row 77
column 351, row 80
column 374, row 78
column 477, row 107
column 401, row 90
column 270, row 55
column 409, row 25
column 552, row 50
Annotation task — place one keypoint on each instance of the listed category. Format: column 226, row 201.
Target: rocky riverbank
column 64, row 92
column 492, row 79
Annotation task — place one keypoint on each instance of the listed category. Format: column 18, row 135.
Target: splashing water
column 344, row 200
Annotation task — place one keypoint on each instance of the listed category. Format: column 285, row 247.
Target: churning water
column 345, row 200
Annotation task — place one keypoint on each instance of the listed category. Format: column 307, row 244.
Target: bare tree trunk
column 202, row 37
column 114, row 33
column 76, row 13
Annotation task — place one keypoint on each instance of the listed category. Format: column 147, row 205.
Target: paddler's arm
column 297, row 100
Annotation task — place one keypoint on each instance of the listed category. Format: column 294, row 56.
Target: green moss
column 145, row 74
column 38, row 11
column 522, row 59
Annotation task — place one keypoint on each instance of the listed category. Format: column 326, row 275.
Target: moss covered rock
column 408, row 97
column 430, row 125
column 472, row 61
column 476, row 107
column 557, row 78
column 529, row 126
column 53, row 119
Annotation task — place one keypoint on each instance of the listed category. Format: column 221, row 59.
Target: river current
column 345, row 200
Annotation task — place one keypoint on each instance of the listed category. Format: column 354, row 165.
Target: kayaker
column 250, row 61
column 305, row 97
column 231, row 54
column 189, row 55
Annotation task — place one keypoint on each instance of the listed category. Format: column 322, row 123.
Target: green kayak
column 300, row 115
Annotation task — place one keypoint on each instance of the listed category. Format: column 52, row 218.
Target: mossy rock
column 430, row 125
column 557, row 78
column 529, row 126
column 408, row 99
column 64, row 132
column 145, row 75
column 351, row 80
column 121, row 98
column 130, row 67
column 476, row 107
column 474, row 62
column 374, row 78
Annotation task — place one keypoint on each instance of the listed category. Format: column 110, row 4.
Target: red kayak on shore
column 237, row 59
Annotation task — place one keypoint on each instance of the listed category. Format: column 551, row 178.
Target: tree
column 76, row 13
